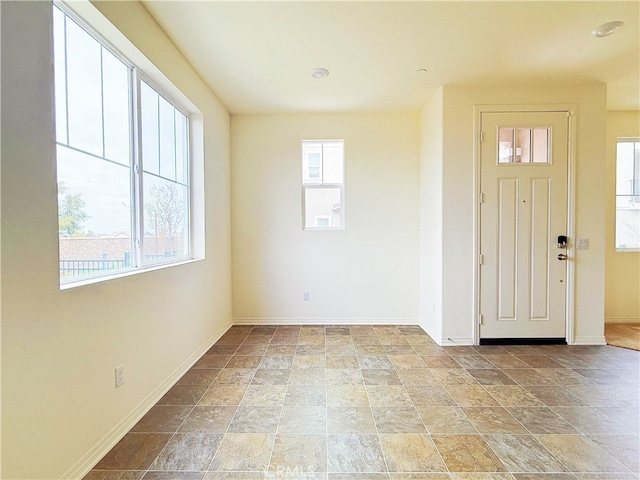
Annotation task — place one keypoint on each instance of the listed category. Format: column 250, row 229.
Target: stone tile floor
column 386, row 402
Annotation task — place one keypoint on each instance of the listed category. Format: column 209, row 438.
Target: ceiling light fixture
column 607, row 29
column 319, row 73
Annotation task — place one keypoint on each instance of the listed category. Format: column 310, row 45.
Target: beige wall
column 431, row 215
column 622, row 274
column 60, row 410
column 458, row 163
column 366, row 273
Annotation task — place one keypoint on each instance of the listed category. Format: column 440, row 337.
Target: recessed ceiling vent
column 319, row 73
column 607, row 29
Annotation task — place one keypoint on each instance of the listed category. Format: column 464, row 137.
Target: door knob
column 562, row 256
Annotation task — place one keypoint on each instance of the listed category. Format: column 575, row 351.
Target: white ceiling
column 258, row 56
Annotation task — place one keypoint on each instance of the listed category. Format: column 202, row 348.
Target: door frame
column 570, row 110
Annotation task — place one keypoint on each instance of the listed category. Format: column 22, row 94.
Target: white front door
column 523, row 211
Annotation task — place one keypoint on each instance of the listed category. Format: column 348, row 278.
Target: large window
column 122, row 160
column 323, row 184
column 628, row 194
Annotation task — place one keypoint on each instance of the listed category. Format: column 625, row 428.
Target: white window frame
column 636, row 164
column 140, row 68
column 309, row 183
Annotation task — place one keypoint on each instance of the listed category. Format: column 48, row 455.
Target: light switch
column 582, row 243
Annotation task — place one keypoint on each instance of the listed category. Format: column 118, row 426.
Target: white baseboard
column 455, row 341
column 597, row 340
column 324, row 321
column 621, row 320
column 446, row 341
column 100, row 449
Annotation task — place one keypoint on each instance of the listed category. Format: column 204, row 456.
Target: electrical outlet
column 119, row 376
column 305, row 296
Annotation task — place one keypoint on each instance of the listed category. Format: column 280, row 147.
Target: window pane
column 627, row 223
column 628, row 195
column 540, row 145
column 523, row 145
column 60, row 64
column 93, row 213
column 322, row 203
column 84, row 90
column 182, row 148
column 167, row 140
column 314, row 160
column 624, row 168
column 149, row 125
column 332, row 162
column 115, row 75
column 505, row 145
column 636, row 170
column 166, row 213
column 311, row 162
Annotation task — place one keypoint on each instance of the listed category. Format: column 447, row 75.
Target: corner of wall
column 431, row 216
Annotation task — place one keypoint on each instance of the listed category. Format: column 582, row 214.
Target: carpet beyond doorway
column 625, row 335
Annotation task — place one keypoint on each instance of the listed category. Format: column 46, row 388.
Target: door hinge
column 482, row 198
column 481, row 137
column 481, row 260
column 480, row 319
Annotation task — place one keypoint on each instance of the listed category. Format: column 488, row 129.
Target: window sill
column 125, row 273
column 326, row 229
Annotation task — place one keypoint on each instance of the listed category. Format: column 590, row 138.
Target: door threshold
column 523, row 341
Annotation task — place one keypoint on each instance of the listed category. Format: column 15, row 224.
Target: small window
column 323, row 184
column 628, row 194
column 123, row 163
column 523, row 145
column 322, row 221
